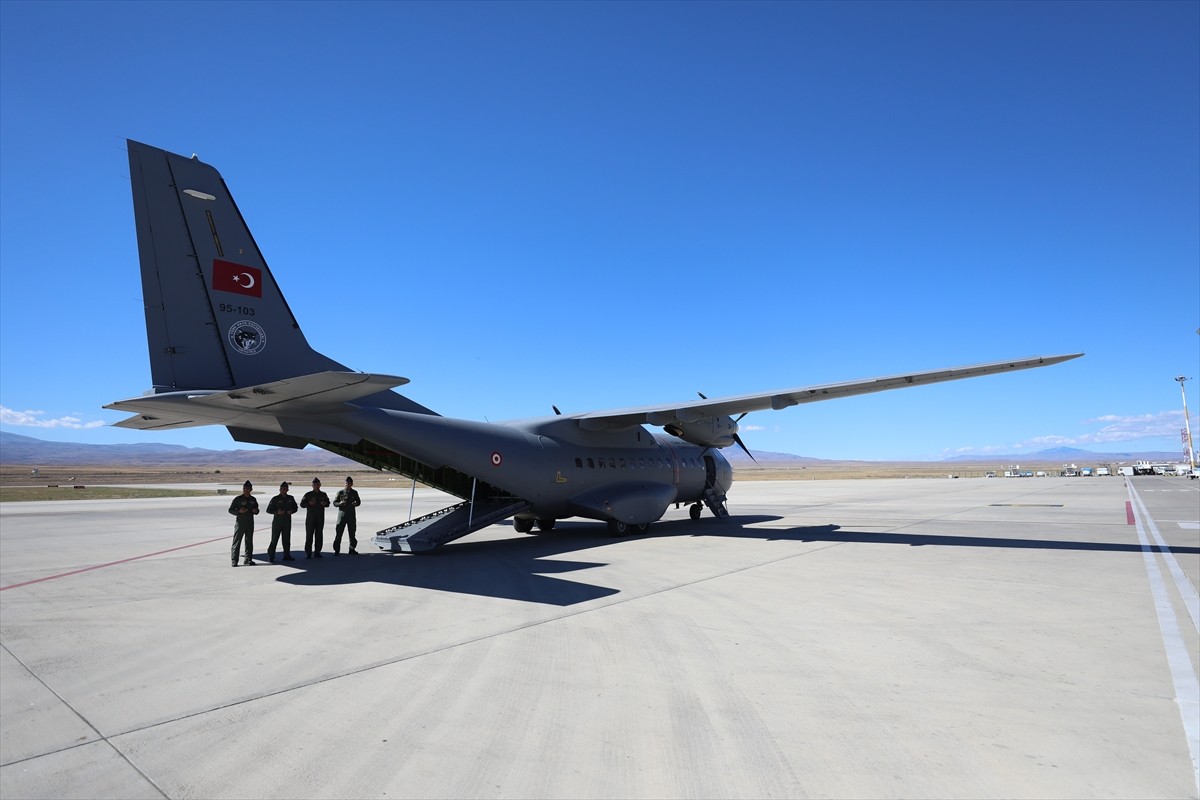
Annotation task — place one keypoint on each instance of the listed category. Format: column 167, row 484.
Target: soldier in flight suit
column 244, row 507
column 347, row 501
column 316, row 502
column 281, row 508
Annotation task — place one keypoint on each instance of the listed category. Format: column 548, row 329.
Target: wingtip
column 1048, row 360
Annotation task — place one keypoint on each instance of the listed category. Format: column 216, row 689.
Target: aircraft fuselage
column 631, row 475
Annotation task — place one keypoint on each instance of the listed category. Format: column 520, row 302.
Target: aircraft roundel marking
column 497, row 459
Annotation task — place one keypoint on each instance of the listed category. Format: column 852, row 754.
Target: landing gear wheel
column 618, row 528
column 695, row 510
column 522, row 524
column 545, row 524
column 645, row 526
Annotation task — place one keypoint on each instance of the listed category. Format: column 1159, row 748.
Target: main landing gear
column 525, row 524
column 618, row 528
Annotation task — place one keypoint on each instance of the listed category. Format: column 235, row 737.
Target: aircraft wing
column 691, row 412
column 304, row 396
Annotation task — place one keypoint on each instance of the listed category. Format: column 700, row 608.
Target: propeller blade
column 738, row 440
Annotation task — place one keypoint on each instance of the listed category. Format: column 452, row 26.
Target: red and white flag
column 230, row 277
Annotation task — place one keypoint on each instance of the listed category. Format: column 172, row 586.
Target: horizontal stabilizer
column 304, row 396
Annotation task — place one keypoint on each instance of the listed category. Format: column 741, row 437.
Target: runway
column 971, row 638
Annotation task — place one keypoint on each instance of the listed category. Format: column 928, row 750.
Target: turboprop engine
column 706, row 431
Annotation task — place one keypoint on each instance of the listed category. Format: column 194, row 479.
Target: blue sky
column 598, row 205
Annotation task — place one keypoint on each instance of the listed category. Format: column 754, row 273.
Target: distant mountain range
column 1077, row 456
column 28, row 451
column 16, row 449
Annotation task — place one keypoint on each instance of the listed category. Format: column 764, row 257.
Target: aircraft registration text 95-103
column 245, row 311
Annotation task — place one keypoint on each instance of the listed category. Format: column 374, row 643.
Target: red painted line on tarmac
column 1129, row 520
column 109, row 564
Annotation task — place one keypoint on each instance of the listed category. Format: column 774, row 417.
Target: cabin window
column 621, row 462
column 612, row 464
column 641, row 463
column 578, row 463
column 591, row 465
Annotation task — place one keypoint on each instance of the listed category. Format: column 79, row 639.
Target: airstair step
column 434, row 530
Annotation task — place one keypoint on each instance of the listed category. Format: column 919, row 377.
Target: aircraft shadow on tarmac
column 525, row 568
column 520, row 568
column 918, row 540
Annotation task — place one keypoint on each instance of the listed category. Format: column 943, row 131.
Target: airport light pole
column 1187, row 426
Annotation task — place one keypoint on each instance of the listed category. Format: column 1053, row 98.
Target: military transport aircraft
column 225, row 349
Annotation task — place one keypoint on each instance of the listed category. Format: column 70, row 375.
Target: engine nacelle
column 707, row 431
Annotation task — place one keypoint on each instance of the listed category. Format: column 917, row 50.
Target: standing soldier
column 244, row 507
column 281, row 508
column 346, row 501
column 316, row 502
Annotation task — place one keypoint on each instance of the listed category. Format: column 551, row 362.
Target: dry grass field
column 97, row 481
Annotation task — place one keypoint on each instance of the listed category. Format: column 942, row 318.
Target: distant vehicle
column 990, row 475
column 1086, row 472
column 1103, row 471
column 1128, row 472
column 1070, row 473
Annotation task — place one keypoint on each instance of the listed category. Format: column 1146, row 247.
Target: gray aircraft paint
column 225, row 349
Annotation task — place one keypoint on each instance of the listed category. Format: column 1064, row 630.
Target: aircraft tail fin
column 215, row 318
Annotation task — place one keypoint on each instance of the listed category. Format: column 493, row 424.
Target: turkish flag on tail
column 230, row 277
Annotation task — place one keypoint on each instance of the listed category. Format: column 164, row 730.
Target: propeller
column 737, row 439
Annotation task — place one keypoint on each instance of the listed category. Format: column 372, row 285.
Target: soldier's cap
column 349, row 479
column 247, row 485
column 283, row 485
column 316, row 481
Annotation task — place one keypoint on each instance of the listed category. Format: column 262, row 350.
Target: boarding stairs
column 715, row 501
column 433, row 530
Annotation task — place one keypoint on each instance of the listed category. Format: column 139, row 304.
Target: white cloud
column 1144, row 426
column 33, row 419
column 1114, row 428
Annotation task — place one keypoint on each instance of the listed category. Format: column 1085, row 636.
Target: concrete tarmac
column 972, row 638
